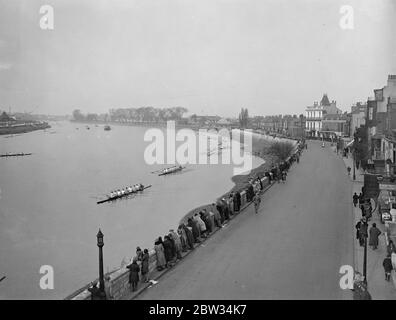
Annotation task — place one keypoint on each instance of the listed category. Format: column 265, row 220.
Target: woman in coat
column 195, row 229
column 183, row 238
column 159, row 252
column 374, row 234
column 189, row 236
column 134, row 274
column 145, row 265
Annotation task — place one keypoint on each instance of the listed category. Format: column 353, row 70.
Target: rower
column 141, row 187
column 118, row 192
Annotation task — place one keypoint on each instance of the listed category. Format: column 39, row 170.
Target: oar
column 2, row 278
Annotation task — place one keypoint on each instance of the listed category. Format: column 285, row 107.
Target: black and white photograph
column 205, row 152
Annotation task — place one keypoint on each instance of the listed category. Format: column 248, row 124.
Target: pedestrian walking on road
column 387, row 264
column 374, row 234
column 360, row 198
column 349, row 171
column 355, row 199
column 134, row 274
column 257, row 201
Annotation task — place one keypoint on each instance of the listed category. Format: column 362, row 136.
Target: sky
column 209, row 56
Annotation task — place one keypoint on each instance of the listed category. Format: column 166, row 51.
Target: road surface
column 292, row 249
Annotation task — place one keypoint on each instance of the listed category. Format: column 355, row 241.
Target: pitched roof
column 325, row 100
column 5, row 117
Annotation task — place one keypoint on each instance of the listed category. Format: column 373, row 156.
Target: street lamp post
column 365, row 255
column 100, row 244
column 353, row 160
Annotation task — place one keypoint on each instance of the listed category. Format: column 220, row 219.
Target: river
column 48, row 210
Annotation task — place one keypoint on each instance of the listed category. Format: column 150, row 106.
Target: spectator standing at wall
column 195, row 230
column 374, row 234
column 183, row 238
column 225, row 209
column 189, row 236
column 145, row 265
column 237, row 201
column 178, row 243
column 173, row 246
column 219, row 208
column 201, row 224
column 139, row 254
column 217, row 217
column 206, row 220
column 387, row 264
column 168, row 251
column 160, row 255
column 134, row 270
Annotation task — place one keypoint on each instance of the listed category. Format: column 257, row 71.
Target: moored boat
column 107, row 128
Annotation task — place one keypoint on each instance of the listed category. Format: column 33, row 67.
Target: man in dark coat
column 355, row 199
column 168, row 251
column 134, row 274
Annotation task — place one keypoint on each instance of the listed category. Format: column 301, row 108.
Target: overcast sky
column 210, row 56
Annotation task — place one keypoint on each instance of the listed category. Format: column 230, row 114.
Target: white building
column 315, row 114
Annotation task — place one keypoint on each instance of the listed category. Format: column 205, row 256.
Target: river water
column 48, row 210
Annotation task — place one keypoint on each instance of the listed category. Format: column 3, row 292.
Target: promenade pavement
column 378, row 288
column 292, row 249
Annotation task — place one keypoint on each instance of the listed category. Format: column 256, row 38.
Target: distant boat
column 115, row 197
column 14, row 155
column 107, row 128
column 171, row 170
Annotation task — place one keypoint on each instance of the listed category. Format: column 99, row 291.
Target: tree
column 92, row 117
column 78, row 116
column 281, row 149
column 244, row 118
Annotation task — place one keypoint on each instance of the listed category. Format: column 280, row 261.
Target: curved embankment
column 117, row 280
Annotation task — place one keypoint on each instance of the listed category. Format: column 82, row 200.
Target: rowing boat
column 14, row 155
column 121, row 196
column 171, row 170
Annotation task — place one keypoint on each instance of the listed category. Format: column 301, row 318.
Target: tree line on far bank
column 146, row 114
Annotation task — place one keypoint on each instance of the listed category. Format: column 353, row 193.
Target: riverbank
column 23, row 128
column 118, row 279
